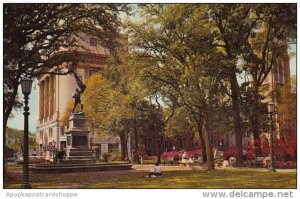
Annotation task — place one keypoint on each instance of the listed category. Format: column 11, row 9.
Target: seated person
column 156, row 171
column 225, row 163
column 186, row 162
column 266, row 162
column 232, row 161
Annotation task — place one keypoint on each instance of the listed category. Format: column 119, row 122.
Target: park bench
column 186, row 162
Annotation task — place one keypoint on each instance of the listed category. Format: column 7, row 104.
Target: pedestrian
column 244, row 155
column 156, row 171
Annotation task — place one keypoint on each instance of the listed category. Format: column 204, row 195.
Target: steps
column 80, row 155
column 80, row 152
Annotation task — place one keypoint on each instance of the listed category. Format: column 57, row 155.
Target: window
column 93, row 42
column 41, row 135
column 62, row 130
column 50, row 133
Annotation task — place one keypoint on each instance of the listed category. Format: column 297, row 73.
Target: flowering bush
column 250, row 150
column 195, row 153
column 170, row 155
column 285, row 165
column 177, row 154
column 283, row 150
column 231, row 152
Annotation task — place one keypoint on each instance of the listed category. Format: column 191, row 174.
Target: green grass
column 237, row 178
column 228, row 178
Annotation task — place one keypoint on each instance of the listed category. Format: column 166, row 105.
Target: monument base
column 77, row 149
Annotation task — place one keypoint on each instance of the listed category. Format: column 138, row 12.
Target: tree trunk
column 4, row 151
column 254, row 119
column 159, row 143
column 136, row 143
column 202, row 140
column 123, row 145
column 209, row 152
column 203, row 144
column 236, row 119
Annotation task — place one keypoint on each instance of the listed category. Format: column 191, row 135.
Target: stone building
column 279, row 78
column 55, row 93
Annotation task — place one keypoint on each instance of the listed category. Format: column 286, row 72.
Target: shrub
column 285, row 165
column 105, row 157
column 60, row 155
column 283, row 150
column 195, row 153
column 115, row 156
column 170, row 155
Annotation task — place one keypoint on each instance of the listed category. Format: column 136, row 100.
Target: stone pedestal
column 77, row 140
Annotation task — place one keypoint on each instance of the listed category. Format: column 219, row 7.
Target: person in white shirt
column 156, row 171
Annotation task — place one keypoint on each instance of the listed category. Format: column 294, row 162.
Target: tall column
column 53, row 92
column 46, row 98
column 50, row 96
column 53, row 95
column 41, row 101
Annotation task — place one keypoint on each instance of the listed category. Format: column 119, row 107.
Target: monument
column 79, row 156
column 77, row 149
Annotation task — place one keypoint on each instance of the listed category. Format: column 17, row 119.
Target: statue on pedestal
column 76, row 95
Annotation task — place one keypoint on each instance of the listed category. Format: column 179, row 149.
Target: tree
column 15, row 139
column 231, row 29
column 103, row 108
column 178, row 58
column 180, row 124
column 255, row 33
column 286, row 107
column 267, row 49
column 34, row 33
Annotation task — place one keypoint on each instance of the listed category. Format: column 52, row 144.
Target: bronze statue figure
column 76, row 95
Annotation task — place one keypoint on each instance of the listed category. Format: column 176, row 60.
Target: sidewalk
column 259, row 169
column 147, row 167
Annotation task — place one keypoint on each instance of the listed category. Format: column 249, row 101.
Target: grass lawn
column 235, row 178
column 229, row 178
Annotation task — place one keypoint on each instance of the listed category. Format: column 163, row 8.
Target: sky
column 18, row 120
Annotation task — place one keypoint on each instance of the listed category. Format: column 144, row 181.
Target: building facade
column 279, row 78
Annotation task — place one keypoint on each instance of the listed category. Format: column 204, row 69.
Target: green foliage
column 105, row 107
column 60, row 155
column 33, row 33
column 286, row 105
column 15, row 139
column 106, row 156
column 115, row 156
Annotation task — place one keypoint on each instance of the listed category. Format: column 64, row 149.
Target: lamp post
column 26, row 90
column 271, row 108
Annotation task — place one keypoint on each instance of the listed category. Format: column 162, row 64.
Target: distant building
column 279, row 78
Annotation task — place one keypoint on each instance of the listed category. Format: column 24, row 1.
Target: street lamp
column 271, row 109
column 26, row 90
